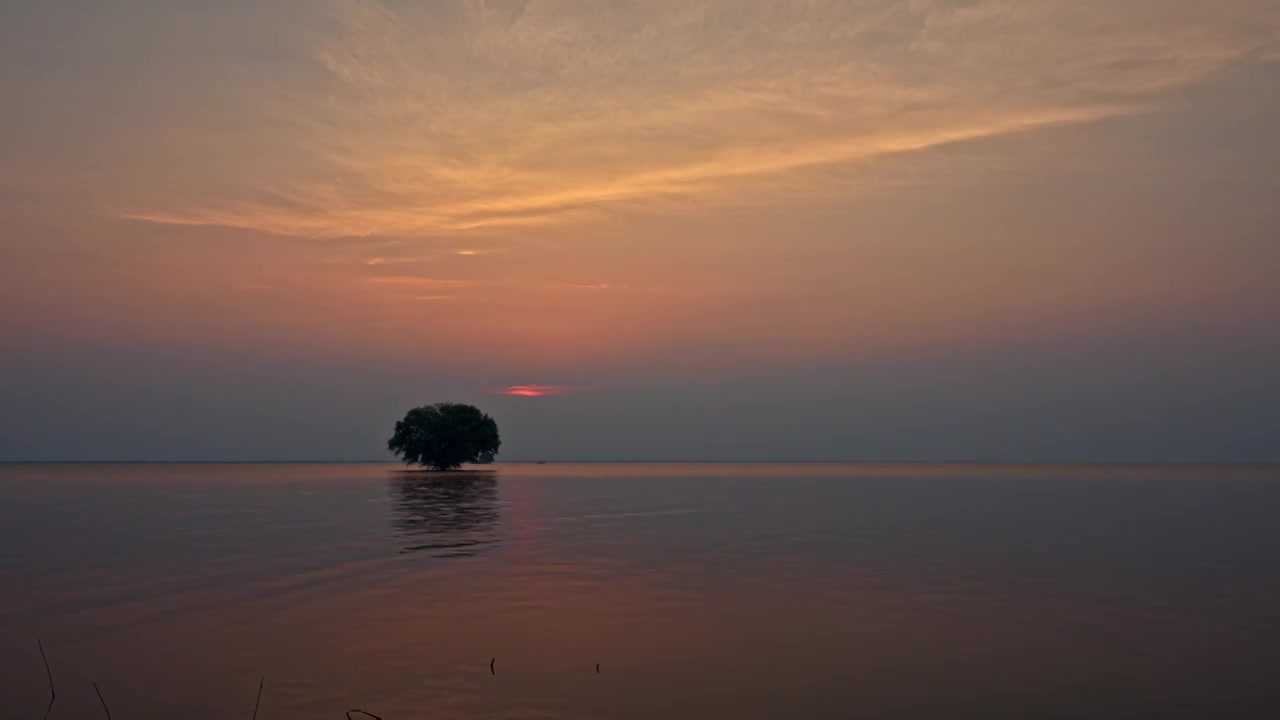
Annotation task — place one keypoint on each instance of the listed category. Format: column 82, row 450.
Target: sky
column 883, row 230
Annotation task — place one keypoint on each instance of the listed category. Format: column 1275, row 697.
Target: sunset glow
column 534, row 390
column 626, row 359
column 816, row 200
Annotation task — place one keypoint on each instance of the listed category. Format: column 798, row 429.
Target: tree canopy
column 444, row 436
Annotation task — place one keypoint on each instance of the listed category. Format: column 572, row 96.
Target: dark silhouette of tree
column 444, row 436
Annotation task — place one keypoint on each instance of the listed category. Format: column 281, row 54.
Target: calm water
column 703, row 591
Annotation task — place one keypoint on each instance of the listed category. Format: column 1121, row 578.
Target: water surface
column 702, row 591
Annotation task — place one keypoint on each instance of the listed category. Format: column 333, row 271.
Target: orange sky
column 498, row 193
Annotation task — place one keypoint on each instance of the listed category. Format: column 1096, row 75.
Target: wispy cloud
column 533, row 390
column 463, row 116
column 416, row 281
column 373, row 261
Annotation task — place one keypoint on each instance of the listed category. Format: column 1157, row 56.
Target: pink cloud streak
column 534, row 390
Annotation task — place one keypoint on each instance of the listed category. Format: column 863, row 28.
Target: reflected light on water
column 446, row 514
column 750, row 592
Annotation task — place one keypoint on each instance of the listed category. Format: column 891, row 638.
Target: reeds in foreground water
column 53, row 695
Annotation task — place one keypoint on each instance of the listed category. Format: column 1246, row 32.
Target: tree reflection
column 446, row 514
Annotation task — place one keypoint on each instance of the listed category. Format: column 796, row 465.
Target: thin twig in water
column 259, row 700
column 491, row 662
column 362, row 712
column 104, row 702
column 52, row 694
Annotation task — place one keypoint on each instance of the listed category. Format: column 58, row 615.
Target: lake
column 700, row 591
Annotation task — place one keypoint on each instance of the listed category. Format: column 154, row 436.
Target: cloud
column 467, row 116
column 394, row 260
column 414, row 280
column 533, row 390
column 417, row 281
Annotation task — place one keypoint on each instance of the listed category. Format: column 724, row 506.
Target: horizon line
column 653, row 462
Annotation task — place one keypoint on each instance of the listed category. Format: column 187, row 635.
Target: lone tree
column 444, row 435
